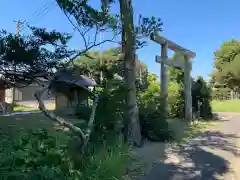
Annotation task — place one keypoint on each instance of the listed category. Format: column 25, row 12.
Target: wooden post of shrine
column 187, row 67
column 188, row 88
column 164, row 81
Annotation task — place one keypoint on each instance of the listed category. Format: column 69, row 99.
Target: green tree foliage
column 131, row 40
column 201, row 93
column 35, row 55
column 227, row 64
column 176, row 74
column 37, row 155
column 25, row 58
column 40, row 155
column 152, row 126
column 149, row 97
column 108, row 62
column 201, row 98
column 110, row 110
column 30, row 57
column 176, row 88
column 175, row 100
column 220, row 93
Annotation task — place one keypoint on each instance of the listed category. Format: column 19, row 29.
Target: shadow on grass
column 196, row 162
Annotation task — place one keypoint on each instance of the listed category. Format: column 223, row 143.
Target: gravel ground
column 212, row 155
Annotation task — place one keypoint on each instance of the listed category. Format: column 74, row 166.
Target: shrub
column 107, row 162
column 109, row 114
column 153, row 127
column 37, row 155
column 201, row 95
column 83, row 111
column 221, row 93
column 175, row 100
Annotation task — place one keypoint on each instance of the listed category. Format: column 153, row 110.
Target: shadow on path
column 203, row 158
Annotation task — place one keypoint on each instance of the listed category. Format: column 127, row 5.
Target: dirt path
column 212, row 155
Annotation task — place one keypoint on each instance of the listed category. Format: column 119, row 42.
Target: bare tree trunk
column 132, row 126
column 84, row 137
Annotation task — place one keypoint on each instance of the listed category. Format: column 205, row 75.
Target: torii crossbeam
column 187, row 66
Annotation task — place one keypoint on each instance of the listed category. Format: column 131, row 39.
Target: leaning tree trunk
column 132, row 126
column 84, row 137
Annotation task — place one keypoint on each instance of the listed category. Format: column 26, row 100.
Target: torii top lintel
column 171, row 45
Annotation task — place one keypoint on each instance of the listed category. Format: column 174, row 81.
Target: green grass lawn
column 21, row 108
column 226, row 106
column 13, row 125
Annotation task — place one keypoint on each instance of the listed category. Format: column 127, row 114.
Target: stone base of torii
column 186, row 66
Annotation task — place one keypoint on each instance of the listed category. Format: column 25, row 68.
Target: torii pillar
column 187, row 66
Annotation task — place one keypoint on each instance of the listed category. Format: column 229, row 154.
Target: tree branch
column 83, row 137
column 57, row 119
column 90, row 47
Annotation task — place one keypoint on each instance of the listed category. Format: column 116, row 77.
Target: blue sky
column 201, row 26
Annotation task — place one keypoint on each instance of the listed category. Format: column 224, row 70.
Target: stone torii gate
column 186, row 66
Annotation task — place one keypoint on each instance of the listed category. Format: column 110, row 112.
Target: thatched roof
column 75, row 78
column 4, row 84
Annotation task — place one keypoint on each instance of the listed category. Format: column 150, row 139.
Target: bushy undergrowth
column 109, row 115
column 37, row 155
column 221, row 93
column 153, row 127
column 201, row 98
column 110, row 110
column 175, row 100
column 108, row 162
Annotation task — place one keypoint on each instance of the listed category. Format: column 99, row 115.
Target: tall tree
column 227, row 65
column 131, row 40
column 128, row 48
column 109, row 62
